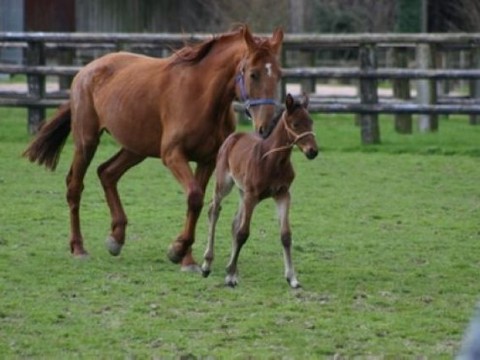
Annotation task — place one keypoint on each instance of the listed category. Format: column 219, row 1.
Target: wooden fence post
column 307, row 58
column 36, row 85
column 443, row 59
column 426, row 89
column 475, row 83
column 401, row 90
column 65, row 57
column 369, row 130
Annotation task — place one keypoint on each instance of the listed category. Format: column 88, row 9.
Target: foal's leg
column 240, row 232
column 82, row 157
column 109, row 173
column 223, row 187
column 237, row 219
column 283, row 206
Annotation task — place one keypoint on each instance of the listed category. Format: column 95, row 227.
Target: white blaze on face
column 268, row 66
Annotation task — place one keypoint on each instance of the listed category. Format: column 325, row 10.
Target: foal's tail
column 48, row 143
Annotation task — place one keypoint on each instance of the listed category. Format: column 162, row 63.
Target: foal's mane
column 276, row 119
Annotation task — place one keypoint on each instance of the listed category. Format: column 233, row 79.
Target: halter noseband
column 247, row 102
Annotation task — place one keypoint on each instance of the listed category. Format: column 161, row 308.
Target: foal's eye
column 254, row 75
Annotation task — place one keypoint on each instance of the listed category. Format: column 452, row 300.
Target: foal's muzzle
column 311, row 153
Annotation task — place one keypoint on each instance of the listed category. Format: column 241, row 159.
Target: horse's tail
column 48, row 143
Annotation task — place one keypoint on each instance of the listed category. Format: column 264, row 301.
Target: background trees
column 324, row 16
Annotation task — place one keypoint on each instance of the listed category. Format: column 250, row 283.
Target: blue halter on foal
column 247, row 102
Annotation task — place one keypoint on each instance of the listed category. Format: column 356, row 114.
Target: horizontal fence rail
column 368, row 59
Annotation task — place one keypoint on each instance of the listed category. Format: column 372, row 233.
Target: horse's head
column 299, row 126
column 258, row 76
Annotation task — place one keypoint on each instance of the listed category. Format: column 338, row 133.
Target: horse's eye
column 254, row 75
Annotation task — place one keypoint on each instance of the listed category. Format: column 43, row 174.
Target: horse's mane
column 192, row 54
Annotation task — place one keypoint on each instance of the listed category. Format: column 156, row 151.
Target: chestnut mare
column 178, row 109
column 261, row 168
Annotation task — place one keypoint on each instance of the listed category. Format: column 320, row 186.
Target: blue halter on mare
column 247, row 102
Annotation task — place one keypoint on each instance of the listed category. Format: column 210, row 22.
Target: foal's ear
column 289, row 103
column 277, row 39
column 248, row 37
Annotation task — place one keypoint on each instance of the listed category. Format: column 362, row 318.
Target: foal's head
column 299, row 125
column 258, row 76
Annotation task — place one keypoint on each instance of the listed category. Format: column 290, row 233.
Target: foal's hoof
column 205, row 272
column 113, row 247
column 231, row 281
column 294, row 284
column 231, row 284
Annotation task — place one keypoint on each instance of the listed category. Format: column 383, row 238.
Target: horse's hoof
column 173, row 256
column 80, row 255
column 113, row 247
column 192, row 268
column 78, row 251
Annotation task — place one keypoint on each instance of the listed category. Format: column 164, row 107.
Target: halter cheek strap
column 296, row 136
column 247, row 102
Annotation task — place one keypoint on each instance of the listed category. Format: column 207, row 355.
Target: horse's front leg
column 180, row 249
column 240, row 232
column 203, row 172
column 283, row 206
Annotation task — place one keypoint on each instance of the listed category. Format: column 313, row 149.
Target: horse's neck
column 223, row 64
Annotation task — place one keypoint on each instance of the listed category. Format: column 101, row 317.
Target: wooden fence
column 368, row 59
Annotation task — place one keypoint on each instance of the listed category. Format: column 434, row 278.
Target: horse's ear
column 248, row 37
column 305, row 100
column 277, row 39
column 289, row 103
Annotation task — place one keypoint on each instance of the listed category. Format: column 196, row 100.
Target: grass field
column 386, row 246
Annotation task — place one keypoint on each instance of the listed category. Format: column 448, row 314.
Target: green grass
column 386, row 246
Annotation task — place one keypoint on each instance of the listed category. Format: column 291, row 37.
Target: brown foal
column 261, row 168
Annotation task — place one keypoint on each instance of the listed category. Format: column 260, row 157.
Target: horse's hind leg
column 223, row 187
column 283, row 206
column 109, row 173
column 81, row 160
